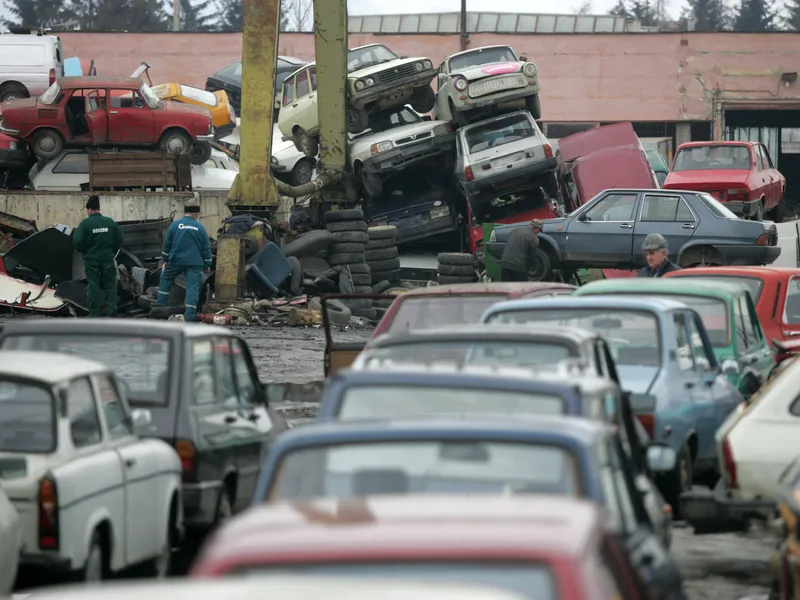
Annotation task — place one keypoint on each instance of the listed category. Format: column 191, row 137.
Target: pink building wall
column 585, row 77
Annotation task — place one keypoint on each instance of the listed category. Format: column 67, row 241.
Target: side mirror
column 730, row 367
column 523, row 58
column 142, row 417
column 661, row 458
column 583, row 217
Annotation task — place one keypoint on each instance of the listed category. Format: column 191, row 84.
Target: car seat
column 269, row 267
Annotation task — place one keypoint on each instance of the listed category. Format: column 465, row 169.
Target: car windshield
column 50, row 94
column 358, row 469
column 483, row 56
column 385, row 120
column 27, row 418
column 398, row 401
column 486, row 136
column 140, row 362
column 361, row 58
column 632, row 335
column 713, row 157
column 530, row 580
column 755, row 285
column 717, row 208
column 150, row 96
column 438, row 310
column 198, row 95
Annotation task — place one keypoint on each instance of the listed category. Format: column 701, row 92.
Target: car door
column 130, row 120
column 305, row 103
column 669, row 215
column 96, row 117
column 759, row 352
column 602, row 233
column 771, row 182
column 143, row 499
column 775, row 175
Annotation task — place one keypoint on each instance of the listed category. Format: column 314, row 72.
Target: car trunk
column 717, row 182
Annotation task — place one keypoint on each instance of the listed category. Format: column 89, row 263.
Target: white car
column 10, row 541
column 92, row 497
column 69, row 172
column 395, row 141
column 289, row 164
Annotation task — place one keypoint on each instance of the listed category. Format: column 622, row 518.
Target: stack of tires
column 382, row 256
column 348, row 251
column 455, row 267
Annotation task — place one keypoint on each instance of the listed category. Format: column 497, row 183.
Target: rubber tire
column 450, row 279
column 392, row 276
column 456, row 259
column 381, row 244
column 347, row 258
column 302, row 172
column 382, row 254
column 350, row 237
column 175, row 134
column 544, row 267
column 423, row 99
column 95, row 546
column 58, row 143
column 370, row 314
column 385, row 265
column 778, row 214
column 308, row 244
column 346, row 285
column 361, row 288
column 671, row 483
column 357, row 120
column 337, row 312
column 342, row 248
column 199, row 153
column 371, row 183
column 360, row 226
column 456, row 271
column 355, row 304
column 13, row 89
column 296, row 276
column 379, row 311
column 307, row 145
column 381, row 287
column 382, row 304
column 759, row 216
column 362, row 279
column 360, row 269
column 314, row 265
column 348, row 214
column 382, row 232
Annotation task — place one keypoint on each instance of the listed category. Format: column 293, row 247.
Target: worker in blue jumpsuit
column 187, row 249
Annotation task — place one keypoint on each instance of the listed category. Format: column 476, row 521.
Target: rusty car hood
column 490, row 70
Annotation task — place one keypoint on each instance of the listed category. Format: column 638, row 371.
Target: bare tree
column 584, row 9
column 300, row 14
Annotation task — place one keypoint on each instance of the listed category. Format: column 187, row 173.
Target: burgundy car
column 106, row 111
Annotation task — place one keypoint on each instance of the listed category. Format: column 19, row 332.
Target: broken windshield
column 483, row 56
column 27, row 418
column 361, row 58
column 713, row 157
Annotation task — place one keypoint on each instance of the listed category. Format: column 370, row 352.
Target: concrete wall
column 585, row 77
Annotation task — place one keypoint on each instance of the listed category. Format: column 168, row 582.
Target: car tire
column 176, row 141
column 380, row 244
column 360, row 288
column 534, row 106
column 314, row 265
column 348, row 214
column 357, row 120
column 96, row 567
column 199, row 153
column 382, row 232
column 13, row 91
column 363, row 279
column 350, row 237
column 385, row 265
column 677, row 481
column 382, row 254
column 453, row 279
column 392, row 276
column 759, row 214
column 778, row 214
column 337, row 312
column 47, row 143
column 370, row 314
column 381, row 287
column 340, row 226
column 371, row 183
column 341, row 248
column 302, row 172
column 308, row 244
column 456, row 271
column 307, row 144
column 423, row 99
column 347, row 258
column 456, row 259
column 542, row 268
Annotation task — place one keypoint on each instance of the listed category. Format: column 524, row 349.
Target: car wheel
column 541, row 268
column 372, row 183
column 423, row 99
column 301, row 172
column 95, row 568
column 357, row 120
column 778, row 214
column 176, row 141
column 759, row 214
column 13, row 91
column 200, row 153
column 307, row 144
column 47, row 143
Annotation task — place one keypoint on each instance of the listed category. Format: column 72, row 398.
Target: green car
column 728, row 314
column 658, row 164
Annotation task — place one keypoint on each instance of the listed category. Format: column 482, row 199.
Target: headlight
column 360, row 85
column 460, row 83
column 529, row 69
column 370, row 81
column 419, row 66
column 492, row 237
column 381, row 147
column 428, row 64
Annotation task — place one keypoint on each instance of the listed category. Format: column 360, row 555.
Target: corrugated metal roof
column 485, row 22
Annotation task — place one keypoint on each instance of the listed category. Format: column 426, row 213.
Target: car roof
column 495, row 332
column 509, row 288
column 93, row 82
column 494, row 119
column 122, row 327
column 739, row 270
column 284, row 587
column 479, row 48
column 588, row 301
column 293, row 60
column 550, row 525
column 669, row 285
column 717, row 143
column 47, row 367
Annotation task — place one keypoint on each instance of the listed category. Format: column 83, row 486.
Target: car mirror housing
column 661, row 458
column 142, row 417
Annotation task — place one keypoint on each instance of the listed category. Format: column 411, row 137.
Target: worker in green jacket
column 98, row 238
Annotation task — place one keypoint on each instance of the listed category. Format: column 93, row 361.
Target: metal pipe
column 297, row 191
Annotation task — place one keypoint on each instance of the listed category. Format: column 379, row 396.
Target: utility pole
column 176, row 15
column 464, row 33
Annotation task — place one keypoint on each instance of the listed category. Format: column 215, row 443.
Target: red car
column 739, row 174
column 775, row 292
column 544, row 547
column 106, row 111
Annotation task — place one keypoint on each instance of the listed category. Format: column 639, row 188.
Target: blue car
column 665, row 359
column 547, row 455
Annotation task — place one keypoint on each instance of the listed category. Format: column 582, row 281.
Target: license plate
column 507, row 160
column 496, row 84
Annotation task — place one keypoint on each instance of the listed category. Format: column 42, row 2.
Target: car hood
column 637, row 379
column 689, row 180
column 490, row 70
column 180, row 107
column 384, row 67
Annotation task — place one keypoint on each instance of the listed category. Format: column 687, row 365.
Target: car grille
column 497, row 84
column 414, row 138
column 390, row 75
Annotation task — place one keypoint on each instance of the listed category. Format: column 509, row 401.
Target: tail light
column 763, row 240
column 52, row 76
column 647, row 423
column 468, row 174
column 548, row 151
column 729, row 464
column 48, row 514
column 738, row 194
column 188, row 455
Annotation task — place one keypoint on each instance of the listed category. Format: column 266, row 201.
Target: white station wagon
column 92, row 497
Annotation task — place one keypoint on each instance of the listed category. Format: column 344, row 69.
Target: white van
column 29, row 64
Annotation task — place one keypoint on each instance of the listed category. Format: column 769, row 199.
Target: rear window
column 141, row 363
column 425, row 312
column 754, row 285
column 27, row 418
column 496, row 133
column 713, row 157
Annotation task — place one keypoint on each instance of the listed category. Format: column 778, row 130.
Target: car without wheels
column 608, row 232
column 194, row 386
column 475, row 83
column 377, row 80
column 93, row 498
column 107, row 111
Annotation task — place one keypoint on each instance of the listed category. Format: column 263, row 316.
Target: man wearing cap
column 186, row 250
column 656, row 251
column 98, row 238
column 521, row 249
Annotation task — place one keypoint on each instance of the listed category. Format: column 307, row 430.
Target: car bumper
column 749, row 255
column 200, row 504
column 473, row 188
column 224, row 131
column 401, row 158
column 205, row 138
column 712, row 512
column 53, row 563
column 14, row 159
column 492, row 99
column 13, row 132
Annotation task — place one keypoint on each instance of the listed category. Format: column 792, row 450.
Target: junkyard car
column 433, row 539
column 659, row 164
column 194, row 386
column 475, row 82
column 395, row 141
column 287, row 163
column 739, row 174
column 775, row 290
column 503, row 152
column 92, row 497
column 10, row 542
column 107, row 111
column 562, row 456
column 609, row 232
column 655, row 343
column 729, row 317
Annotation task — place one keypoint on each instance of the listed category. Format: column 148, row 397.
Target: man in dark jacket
column 656, row 251
column 98, row 238
column 521, row 249
column 187, row 249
